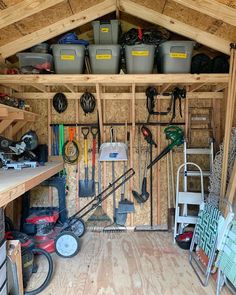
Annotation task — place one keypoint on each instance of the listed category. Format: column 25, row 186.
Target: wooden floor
column 125, row 264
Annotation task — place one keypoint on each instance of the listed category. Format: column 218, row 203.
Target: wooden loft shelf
column 17, row 118
column 43, row 83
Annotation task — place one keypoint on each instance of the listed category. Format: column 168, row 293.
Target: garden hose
column 70, row 150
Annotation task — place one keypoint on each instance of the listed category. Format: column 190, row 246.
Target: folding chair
column 226, row 262
column 208, row 235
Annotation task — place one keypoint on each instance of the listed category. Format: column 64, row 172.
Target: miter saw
column 18, row 154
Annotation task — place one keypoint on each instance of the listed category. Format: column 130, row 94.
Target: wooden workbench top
column 14, row 183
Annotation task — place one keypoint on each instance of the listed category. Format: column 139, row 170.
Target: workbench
column 14, row 183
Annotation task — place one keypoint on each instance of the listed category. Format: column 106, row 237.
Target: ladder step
column 198, row 151
column 197, row 173
column 189, row 198
column 187, row 219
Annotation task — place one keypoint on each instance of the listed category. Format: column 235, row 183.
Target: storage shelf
column 10, row 115
column 194, row 81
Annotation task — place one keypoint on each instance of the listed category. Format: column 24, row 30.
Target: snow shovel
column 86, row 186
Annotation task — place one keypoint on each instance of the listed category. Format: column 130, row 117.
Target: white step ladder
column 197, row 151
column 185, row 198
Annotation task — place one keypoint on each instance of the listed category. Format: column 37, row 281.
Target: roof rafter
column 24, row 9
column 176, row 26
column 58, row 28
column 212, row 8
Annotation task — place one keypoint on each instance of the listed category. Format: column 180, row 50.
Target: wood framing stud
column 120, row 96
column 164, row 88
column 99, row 106
column 4, row 124
column 196, row 87
column 231, row 190
column 17, row 127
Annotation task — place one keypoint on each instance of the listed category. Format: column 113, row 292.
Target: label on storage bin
column 103, row 56
column 140, row 53
column 67, row 57
column 178, row 55
column 104, row 30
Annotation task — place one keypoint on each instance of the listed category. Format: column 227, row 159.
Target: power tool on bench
column 11, row 150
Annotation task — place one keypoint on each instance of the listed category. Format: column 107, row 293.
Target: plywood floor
column 127, row 264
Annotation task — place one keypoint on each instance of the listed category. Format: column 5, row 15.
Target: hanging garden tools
column 144, row 195
column 179, row 94
column 70, row 149
column 176, row 136
column 125, row 206
column 151, row 93
column 94, row 131
column 148, row 137
column 86, row 186
column 176, row 94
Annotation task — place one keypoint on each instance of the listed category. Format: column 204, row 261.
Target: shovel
column 86, row 186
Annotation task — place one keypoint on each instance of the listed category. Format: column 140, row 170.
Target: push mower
column 63, row 238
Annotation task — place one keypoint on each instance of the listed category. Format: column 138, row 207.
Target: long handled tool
column 144, row 195
column 176, row 135
column 125, row 206
column 86, row 186
column 94, row 132
column 115, row 226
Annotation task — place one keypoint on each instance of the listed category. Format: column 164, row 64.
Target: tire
column 49, row 274
column 67, row 244
column 78, row 227
column 8, row 224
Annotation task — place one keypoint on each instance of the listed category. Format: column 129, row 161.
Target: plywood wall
column 118, row 111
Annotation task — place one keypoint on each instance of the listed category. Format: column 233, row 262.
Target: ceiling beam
column 176, row 26
column 60, row 27
column 24, row 9
column 212, row 8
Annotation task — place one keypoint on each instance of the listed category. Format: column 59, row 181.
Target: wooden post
column 78, row 164
column 50, row 195
column 132, row 141
column 228, row 119
column 158, row 202
column 231, row 190
column 103, row 135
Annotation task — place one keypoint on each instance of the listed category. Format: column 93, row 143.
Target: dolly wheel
column 67, row 244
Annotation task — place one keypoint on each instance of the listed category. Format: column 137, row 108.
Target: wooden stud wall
column 116, row 110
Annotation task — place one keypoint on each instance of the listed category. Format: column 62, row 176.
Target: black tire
column 49, row 274
column 61, row 242
column 9, row 226
column 78, row 226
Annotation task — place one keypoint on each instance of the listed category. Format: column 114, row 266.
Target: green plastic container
column 104, row 59
column 68, row 58
column 139, row 58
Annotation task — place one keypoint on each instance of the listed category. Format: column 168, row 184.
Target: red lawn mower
column 63, row 237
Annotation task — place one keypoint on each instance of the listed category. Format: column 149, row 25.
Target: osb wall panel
column 230, row 3
column 82, row 5
column 8, row 3
column 8, row 34
column 157, row 5
column 117, row 111
column 44, row 18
